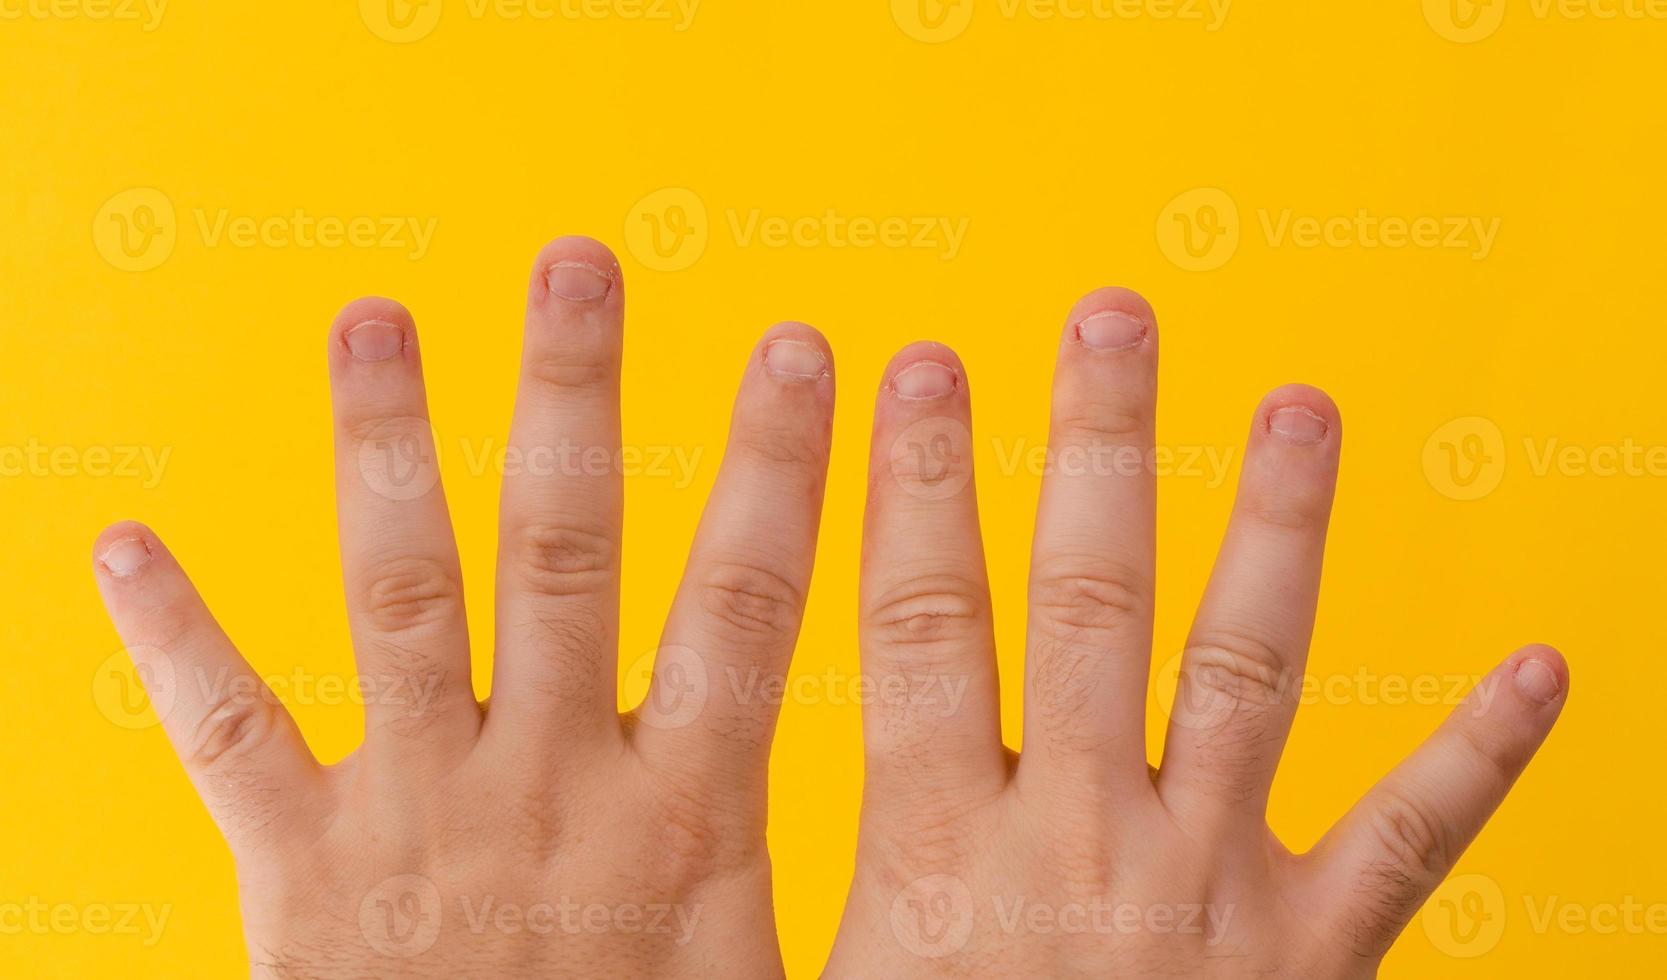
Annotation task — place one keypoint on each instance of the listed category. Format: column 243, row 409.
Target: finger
column 399, row 559
column 734, row 623
column 1241, row 672
column 928, row 649
column 237, row 742
column 562, row 508
column 1089, row 637
column 1398, row 843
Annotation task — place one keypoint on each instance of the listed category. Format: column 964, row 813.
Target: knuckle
column 1082, row 600
column 692, row 835
column 1287, row 508
column 1118, row 424
column 1411, row 836
column 230, row 731
column 563, row 368
column 929, row 611
column 751, row 599
column 1239, row 669
column 405, row 594
column 777, row 446
column 562, row 560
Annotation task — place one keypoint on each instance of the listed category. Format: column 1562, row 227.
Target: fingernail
column 125, row 557
column 924, row 380
column 1111, row 330
column 578, row 282
column 1298, row 425
column 794, row 359
column 1538, row 681
column 375, row 340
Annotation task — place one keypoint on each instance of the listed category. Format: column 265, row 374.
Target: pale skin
column 543, row 833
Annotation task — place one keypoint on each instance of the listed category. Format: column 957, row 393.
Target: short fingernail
column 375, row 340
column 1538, row 681
column 125, row 557
column 794, row 360
column 1111, row 330
column 1298, row 425
column 578, row 282
column 924, row 380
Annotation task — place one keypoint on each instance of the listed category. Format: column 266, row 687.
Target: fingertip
column 1540, row 673
column 576, row 269
column 371, row 329
column 794, row 351
column 123, row 549
column 1301, row 415
column 1112, row 318
column 924, row 371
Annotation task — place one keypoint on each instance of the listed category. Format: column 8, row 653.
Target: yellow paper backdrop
column 1448, row 214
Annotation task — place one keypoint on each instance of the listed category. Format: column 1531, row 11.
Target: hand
column 1077, row 859
column 545, row 836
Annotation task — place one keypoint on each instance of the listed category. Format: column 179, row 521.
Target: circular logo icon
column 1195, row 698
column 1465, row 21
column 401, row 916
column 1199, row 230
column 667, row 230
column 674, row 684
column 1465, row 459
column 136, row 230
column 933, row 916
column 1465, row 918
column 400, row 21
column 399, row 459
column 135, row 688
column 933, row 21
column 932, row 459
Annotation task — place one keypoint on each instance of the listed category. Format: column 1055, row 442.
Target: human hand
column 1076, row 858
column 545, row 835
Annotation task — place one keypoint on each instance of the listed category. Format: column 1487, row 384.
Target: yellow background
column 1060, row 142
